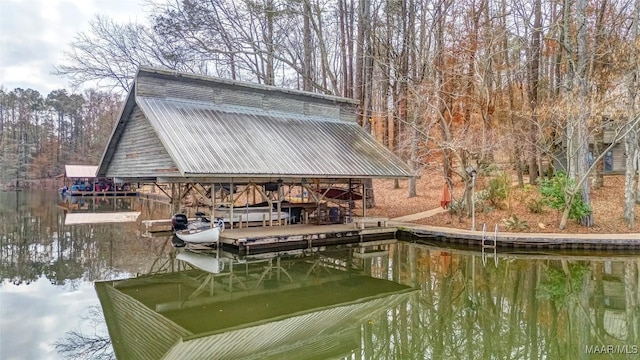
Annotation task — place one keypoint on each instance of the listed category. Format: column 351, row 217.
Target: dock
column 414, row 232
column 103, row 193
column 259, row 239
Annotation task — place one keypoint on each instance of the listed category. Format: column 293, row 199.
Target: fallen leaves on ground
column 606, row 203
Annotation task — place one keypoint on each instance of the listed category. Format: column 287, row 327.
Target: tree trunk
column 534, row 76
column 631, row 149
column 598, row 146
column 442, row 96
column 413, row 163
column 631, row 142
column 360, row 61
column 584, row 106
column 307, row 63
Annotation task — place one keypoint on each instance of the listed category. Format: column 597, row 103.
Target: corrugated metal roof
column 80, row 171
column 207, row 139
column 145, row 334
column 280, row 336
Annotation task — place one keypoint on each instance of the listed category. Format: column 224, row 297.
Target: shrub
column 499, row 190
column 513, row 223
column 553, row 191
column 536, row 206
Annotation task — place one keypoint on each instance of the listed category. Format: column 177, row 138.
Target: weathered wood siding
column 238, row 97
column 223, row 93
column 145, row 333
column 140, row 151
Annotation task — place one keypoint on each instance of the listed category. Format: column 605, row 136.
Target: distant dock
column 102, row 193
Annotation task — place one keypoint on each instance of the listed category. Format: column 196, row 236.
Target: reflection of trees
column 632, row 299
column 523, row 308
column 92, row 344
column 34, row 241
column 63, row 270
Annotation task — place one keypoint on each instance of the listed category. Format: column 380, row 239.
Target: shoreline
column 610, row 241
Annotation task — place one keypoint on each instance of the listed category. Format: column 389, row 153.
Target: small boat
column 199, row 231
column 201, row 261
column 180, row 222
column 199, row 236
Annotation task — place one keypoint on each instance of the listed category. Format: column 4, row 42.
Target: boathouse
column 81, row 180
column 80, row 177
column 202, row 314
column 225, row 139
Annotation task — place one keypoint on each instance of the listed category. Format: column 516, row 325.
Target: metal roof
column 138, row 332
column 80, row 171
column 215, row 128
column 224, row 140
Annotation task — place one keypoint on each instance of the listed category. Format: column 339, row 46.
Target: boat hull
column 200, row 236
column 201, row 261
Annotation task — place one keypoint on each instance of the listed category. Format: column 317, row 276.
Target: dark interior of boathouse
column 234, row 144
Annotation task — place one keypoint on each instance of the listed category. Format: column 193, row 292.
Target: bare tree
column 110, row 54
column 95, row 345
column 533, row 82
column 632, row 148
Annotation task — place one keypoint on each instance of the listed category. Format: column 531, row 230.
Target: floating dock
column 491, row 238
column 259, row 239
column 287, row 237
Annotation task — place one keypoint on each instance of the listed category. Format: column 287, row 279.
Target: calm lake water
column 106, row 291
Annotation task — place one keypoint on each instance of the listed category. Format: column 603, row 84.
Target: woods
column 39, row 135
column 529, row 86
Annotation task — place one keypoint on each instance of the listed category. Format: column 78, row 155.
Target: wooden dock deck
column 287, row 237
column 505, row 239
column 257, row 239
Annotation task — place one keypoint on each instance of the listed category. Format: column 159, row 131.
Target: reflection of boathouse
column 234, row 145
column 261, row 307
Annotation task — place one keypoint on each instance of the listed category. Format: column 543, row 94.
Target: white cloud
column 35, row 33
column 34, row 316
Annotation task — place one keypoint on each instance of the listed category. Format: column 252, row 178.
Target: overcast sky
column 35, row 33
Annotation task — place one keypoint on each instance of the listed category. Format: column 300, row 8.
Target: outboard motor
column 202, row 217
column 220, row 224
column 177, row 242
column 179, row 222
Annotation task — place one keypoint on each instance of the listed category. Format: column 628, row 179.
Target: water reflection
column 394, row 301
column 390, row 301
column 277, row 305
column 35, row 242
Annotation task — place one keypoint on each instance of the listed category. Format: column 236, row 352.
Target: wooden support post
column 173, row 199
column 279, row 206
column 231, row 193
column 253, row 191
column 364, row 200
column 213, row 204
